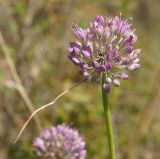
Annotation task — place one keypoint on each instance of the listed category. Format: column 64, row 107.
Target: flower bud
column 116, row 82
column 108, row 66
column 74, row 60
column 86, row 51
column 79, row 32
column 95, row 64
column 123, row 76
column 39, row 143
column 86, row 75
column 134, row 66
column 117, row 59
column 108, row 80
column 102, row 68
column 129, row 49
column 136, row 60
column 106, row 32
column 100, row 19
column 126, row 62
column 106, row 87
column 83, row 65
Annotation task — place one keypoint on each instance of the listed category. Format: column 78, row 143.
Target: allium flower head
column 105, row 47
column 60, row 142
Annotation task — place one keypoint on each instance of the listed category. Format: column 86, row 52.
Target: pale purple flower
column 60, row 142
column 106, row 47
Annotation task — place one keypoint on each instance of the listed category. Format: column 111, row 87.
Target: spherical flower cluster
column 105, row 47
column 60, row 142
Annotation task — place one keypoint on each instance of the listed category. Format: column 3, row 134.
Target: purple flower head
column 60, row 142
column 106, row 46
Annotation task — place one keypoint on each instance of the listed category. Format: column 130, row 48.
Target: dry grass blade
column 17, row 79
column 43, row 107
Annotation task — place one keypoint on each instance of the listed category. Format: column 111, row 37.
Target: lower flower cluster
column 60, row 142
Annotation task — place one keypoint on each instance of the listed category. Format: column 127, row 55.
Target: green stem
column 108, row 121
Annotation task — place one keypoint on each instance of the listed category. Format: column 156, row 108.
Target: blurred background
column 34, row 69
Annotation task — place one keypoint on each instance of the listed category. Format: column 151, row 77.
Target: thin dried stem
column 43, row 107
column 17, row 79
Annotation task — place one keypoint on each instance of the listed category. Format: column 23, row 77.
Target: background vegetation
column 34, row 36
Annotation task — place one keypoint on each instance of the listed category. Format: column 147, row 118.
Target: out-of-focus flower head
column 60, row 142
column 105, row 47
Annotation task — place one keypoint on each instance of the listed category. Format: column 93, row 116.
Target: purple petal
column 86, row 75
column 100, row 19
column 74, row 60
column 125, row 61
column 75, row 44
column 117, row 59
column 84, row 65
column 70, row 50
column 86, row 54
column 46, row 134
column 79, row 32
column 108, row 66
column 95, row 64
column 39, row 143
column 129, row 49
column 86, row 51
column 107, row 32
column 102, row 68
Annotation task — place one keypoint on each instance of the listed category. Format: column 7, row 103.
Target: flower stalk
column 110, row 134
